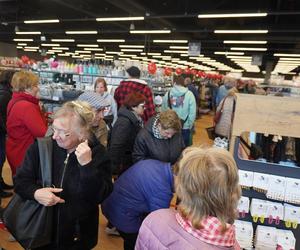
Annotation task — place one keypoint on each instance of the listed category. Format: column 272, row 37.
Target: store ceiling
column 180, row 17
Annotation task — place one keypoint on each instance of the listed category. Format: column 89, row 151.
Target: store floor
column 107, row 242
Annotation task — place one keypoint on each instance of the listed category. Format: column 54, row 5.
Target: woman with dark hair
column 5, row 96
column 125, row 130
column 111, row 110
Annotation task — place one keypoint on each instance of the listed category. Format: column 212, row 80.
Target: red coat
column 25, row 122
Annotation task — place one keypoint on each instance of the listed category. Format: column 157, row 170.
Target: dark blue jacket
column 143, row 188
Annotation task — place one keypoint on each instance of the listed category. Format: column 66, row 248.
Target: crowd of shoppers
column 99, row 135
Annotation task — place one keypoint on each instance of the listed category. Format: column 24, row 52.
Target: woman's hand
column 83, row 153
column 47, row 197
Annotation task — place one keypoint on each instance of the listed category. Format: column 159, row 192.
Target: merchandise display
column 229, row 73
column 270, row 200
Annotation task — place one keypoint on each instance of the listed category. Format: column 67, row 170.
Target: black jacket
column 84, row 187
column 5, row 96
column 122, row 140
column 149, row 147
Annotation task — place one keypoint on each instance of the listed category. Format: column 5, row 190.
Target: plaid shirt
column 211, row 232
column 131, row 85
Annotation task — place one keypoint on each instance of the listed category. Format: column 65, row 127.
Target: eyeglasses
column 142, row 105
column 62, row 134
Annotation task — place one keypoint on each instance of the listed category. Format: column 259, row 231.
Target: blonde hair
column 24, row 80
column 207, row 185
column 83, row 114
column 169, row 119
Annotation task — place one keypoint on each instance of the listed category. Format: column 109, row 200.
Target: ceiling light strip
column 41, row 21
column 232, row 15
column 132, row 46
column 110, row 40
column 62, row 40
column 243, row 42
column 170, row 41
column 248, row 49
column 241, row 31
column 28, row 32
column 83, row 32
column 108, row 19
column 150, row 31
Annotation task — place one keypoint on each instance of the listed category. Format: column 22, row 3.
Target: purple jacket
column 161, row 231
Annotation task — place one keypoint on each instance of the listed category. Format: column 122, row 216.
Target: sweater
column 161, row 231
column 183, row 103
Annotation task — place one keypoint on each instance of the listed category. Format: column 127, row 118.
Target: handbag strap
column 45, row 145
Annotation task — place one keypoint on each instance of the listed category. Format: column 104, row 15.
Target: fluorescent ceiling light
column 150, row 31
column 113, row 52
column 23, row 40
column 241, row 31
column 62, row 54
column 41, row 21
column 99, row 54
column 108, row 56
column 127, row 55
column 132, row 50
column 243, row 57
column 94, row 49
column 19, row 47
column 107, row 19
column 174, row 51
column 28, row 32
column 289, row 59
column 62, row 48
column 170, row 41
column 83, row 51
column 179, row 47
column 22, row 44
column 153, row 54
column 32, row 47
column 110, row 40
column 291, row 55
column 245, row 42
column 56, row 50
column 228, row 53
column 88, row 45
column 50, row 44
column 132, row 46
column 85, row 32
column 249, row 49
column 232, row 15
column 62, row 40
column 50, row 53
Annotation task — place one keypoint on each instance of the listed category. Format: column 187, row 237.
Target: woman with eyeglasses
column 125, row 130
column 160, row 139
column 81, row 178
column 25, row 120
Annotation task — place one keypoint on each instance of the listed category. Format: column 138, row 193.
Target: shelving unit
column 271, row 115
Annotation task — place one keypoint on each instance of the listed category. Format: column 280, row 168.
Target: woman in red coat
column 25, row 121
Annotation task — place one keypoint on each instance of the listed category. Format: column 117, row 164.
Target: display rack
column 270, row 115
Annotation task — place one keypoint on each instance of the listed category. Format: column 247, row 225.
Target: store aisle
column 109, row 242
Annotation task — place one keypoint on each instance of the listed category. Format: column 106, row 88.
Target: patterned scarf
column 155, row 129
column 211, row 232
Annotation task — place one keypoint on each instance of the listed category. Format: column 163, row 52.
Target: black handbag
column 27, row 220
